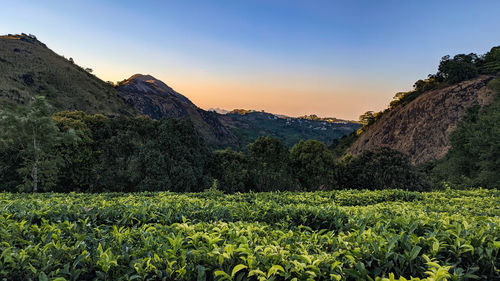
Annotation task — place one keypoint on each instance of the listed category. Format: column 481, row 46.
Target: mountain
column 154, row 98
column 422, row 127
column 248, row 125
column 28, row 68
column 219, row 110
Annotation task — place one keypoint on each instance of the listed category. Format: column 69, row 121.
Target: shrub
column 313, row 165
column 380, row 169
column 269, row 165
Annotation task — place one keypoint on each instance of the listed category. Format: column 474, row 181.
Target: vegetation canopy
column 334, row 235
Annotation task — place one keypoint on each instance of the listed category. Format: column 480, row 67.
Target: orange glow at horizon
column 341, row 103
column 278, row 93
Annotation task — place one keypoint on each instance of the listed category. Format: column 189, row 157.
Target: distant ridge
column 250, row 124
column 238, row 127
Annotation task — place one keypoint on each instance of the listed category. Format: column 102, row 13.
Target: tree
column 381, row 169
column 474, row 157
column 32, row 134
column 490, row 62
column 458, row 69
column 367, row 118
column 313, row 165
column 269, row 166
column 231, row 171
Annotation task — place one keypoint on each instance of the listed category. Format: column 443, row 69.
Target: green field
column 335, row 235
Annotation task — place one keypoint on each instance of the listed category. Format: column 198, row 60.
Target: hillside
column 422, row 127
column 28, row 68
column 156, row 99
column 249, row 125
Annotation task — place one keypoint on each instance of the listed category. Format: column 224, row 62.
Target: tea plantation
column 334, row 235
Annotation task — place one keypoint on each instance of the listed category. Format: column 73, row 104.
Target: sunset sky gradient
column 330, row 58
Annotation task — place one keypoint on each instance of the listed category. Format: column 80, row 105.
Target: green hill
column 249, row 125
column 28, row 68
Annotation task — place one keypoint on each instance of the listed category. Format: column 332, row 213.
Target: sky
column 329, row 58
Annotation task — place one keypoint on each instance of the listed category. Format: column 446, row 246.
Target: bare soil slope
column 422, row 128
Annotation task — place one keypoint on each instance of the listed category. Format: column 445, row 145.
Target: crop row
column 318, row 210
column 265, row 236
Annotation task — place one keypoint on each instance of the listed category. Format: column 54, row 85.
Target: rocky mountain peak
column 147, row 84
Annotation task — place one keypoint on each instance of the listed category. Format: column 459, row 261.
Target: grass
column 31, row 69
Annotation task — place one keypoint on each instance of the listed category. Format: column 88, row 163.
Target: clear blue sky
column 331, row 58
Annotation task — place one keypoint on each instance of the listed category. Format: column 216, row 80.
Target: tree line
column 75, row 151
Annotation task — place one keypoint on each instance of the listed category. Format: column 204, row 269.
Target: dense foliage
column 231, row 171
column 379, row 169
column 264, row 166
column 108, row 154
column 474, row 157
column 76, row 151
column 313, row 165
column 335, row 235
column 310, row 165
column 269, row 165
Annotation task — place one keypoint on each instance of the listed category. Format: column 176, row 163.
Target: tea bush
column 327, row 235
